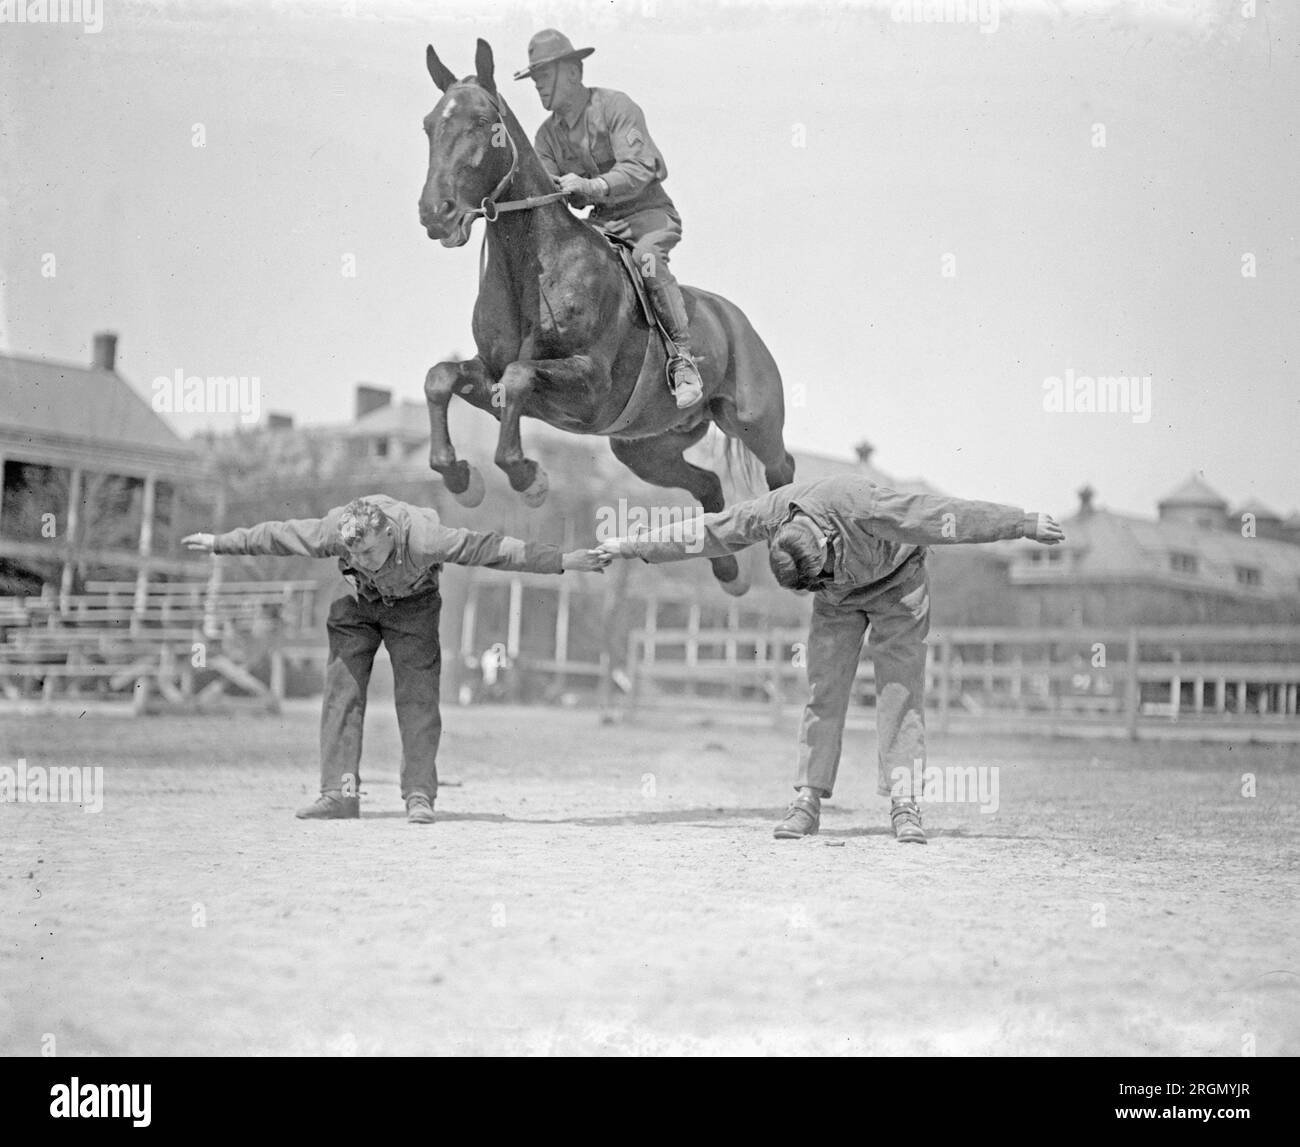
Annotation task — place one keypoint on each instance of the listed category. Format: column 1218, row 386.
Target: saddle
column 654, row 380
column 624, row 248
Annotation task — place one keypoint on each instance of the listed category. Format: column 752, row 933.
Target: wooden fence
column 181, row 643
column 1120, row 681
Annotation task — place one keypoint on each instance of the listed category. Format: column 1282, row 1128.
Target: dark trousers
column 409, row 630
column 897, row 610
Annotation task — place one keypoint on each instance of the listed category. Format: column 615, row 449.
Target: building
column 1193, row 563
column 91, row 475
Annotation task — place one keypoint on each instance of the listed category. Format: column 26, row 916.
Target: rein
column 490, row 209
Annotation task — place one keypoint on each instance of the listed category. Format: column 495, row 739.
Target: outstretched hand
column 201, row 542
column 589, row 561
column 614, row 548
column 1047, row 530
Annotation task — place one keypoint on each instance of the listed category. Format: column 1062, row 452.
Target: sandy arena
column 616, row 891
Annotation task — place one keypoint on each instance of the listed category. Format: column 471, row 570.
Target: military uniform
column 606, row 139
column 879, row 587
column 398, row 605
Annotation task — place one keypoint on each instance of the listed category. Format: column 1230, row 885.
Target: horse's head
column 470, row 153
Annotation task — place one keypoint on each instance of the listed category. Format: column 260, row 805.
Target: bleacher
column 172, row 643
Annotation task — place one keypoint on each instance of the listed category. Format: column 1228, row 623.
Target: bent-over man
column 391, row 553
column 860, row 549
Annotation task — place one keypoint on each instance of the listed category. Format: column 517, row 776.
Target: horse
column 559, row 331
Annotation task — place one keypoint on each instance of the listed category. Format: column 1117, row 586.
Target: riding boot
column 684, row 375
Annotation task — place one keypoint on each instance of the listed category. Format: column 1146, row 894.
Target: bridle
column 490, row 209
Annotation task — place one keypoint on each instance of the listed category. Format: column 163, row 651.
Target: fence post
column 945, row 683
column 775, row 682
column 634, row 655
column 1133, row 697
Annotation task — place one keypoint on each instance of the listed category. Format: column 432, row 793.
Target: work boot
column 905, row 815
column 683, row 374
column 802, row 818
column 331, row 805
column 419, row 809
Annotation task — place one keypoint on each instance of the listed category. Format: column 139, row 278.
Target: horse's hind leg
column 447, row 378
column 659, row 461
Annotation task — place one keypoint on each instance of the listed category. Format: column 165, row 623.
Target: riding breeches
column 654, row 232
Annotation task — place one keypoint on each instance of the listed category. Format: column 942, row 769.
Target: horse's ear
column 484, row 66
column 441, row 74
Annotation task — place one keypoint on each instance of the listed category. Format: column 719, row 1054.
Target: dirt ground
column 616, row 890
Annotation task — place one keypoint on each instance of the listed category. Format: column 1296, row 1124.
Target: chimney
column 275, row 421
column 1086, row 495
column 370, row 399
column 105, row 351
column 864, row 450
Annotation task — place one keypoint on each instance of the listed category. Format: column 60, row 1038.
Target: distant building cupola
column 1196, row 504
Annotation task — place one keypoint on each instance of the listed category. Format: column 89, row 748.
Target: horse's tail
column 743, row 470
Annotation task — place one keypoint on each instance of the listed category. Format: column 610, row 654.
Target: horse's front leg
column 470, row 379
column 570, row 381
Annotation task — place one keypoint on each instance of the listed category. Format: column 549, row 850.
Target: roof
column 404, row 419
column 1194, row 492
column 809, row 467
column 408, row 420
column 50, row 399
column 1106, row 544
column 1262, row 512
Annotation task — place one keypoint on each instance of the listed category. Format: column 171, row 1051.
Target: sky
column 925, row 221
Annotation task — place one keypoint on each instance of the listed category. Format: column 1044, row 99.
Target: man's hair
column 795, row 555
column 360, row 520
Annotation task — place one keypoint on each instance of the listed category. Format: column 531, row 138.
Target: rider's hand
column 203, row 542
column 591, row 189
column 589, row 561
column 1043, row 528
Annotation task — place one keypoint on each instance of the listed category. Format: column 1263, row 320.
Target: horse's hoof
column 537, row 489
column 738, row 586
column 472, row 495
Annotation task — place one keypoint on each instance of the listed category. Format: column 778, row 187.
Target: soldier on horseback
column 596, row 147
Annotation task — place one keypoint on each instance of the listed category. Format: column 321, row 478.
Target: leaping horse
column 558, row 328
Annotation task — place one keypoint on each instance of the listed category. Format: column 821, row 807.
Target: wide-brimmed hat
column 548, row 47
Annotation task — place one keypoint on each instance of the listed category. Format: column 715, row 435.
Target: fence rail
column 1141, row 677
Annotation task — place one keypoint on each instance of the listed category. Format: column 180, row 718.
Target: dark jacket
column 423, row 546
column 873, row 530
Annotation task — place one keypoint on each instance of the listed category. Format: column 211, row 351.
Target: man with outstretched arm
column 860, row 549
column 391, row 553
